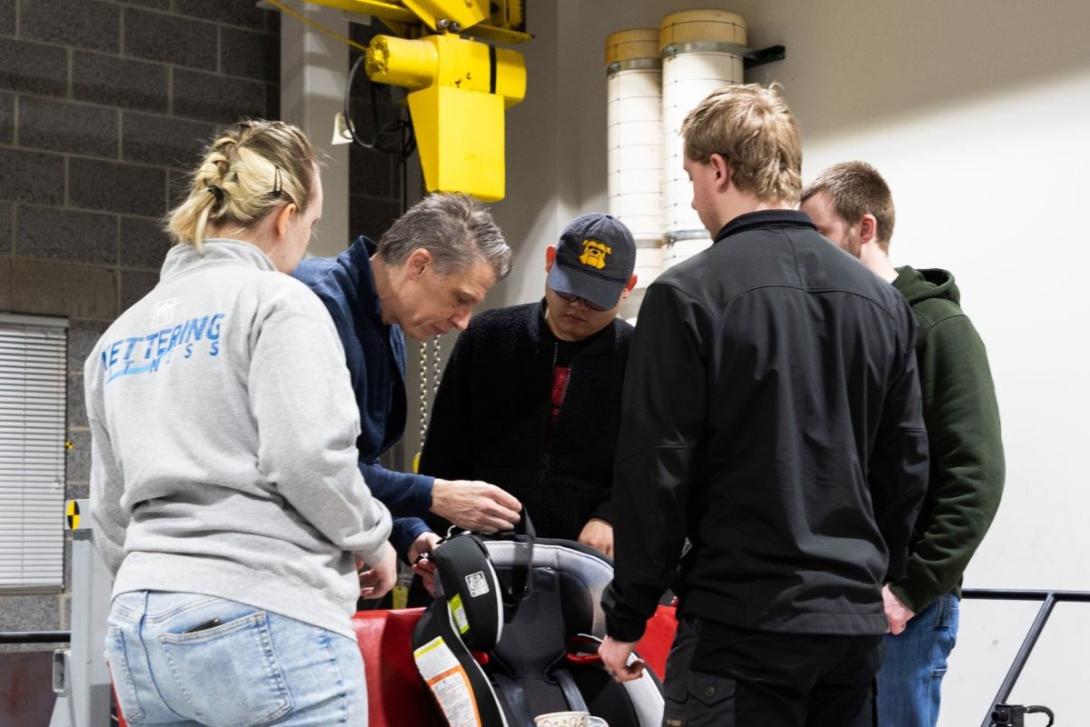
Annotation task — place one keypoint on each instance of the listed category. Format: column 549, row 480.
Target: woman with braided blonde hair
column 224, row 487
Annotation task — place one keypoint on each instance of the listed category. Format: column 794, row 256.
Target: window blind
column 32, row 451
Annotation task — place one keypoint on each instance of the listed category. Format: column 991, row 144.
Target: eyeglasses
column 571, row 299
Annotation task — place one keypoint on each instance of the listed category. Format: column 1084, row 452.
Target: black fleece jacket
column 772, row 416
column 491, row 418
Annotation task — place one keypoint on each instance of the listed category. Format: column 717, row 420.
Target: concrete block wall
column 104, row 105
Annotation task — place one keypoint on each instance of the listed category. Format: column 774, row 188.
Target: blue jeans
column 910, row 680
column 190, row 659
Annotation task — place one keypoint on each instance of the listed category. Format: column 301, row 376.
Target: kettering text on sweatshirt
column 223, row 442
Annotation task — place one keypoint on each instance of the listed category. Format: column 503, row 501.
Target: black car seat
column 514, row 634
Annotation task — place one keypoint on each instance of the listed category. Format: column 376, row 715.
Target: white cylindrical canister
column 634, row 138
column 701, row 51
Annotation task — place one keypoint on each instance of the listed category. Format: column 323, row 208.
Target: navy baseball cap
column 594, row 260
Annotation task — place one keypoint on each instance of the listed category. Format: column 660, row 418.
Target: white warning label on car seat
column 477, row 583
column 449, row 683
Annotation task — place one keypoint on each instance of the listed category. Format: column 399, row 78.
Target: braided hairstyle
column 246, row 172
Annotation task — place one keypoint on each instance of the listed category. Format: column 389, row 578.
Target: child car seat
column 514, row 634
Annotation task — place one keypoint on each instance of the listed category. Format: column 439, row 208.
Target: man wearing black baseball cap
column 531, row 396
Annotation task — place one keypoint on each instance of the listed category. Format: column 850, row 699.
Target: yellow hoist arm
column 459, row 87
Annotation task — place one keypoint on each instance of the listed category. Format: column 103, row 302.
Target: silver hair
column 456, row 229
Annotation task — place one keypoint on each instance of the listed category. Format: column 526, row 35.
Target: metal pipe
column 35, row 637
column 998, row 594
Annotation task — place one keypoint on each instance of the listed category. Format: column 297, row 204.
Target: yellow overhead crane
column 459, row 87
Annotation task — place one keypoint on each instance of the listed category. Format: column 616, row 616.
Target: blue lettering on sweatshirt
column 147, row 353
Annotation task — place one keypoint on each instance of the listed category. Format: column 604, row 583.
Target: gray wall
column 976, row 113
column 102, row 106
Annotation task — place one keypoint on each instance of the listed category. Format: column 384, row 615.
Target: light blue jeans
column 913, row 665
column 190, row 659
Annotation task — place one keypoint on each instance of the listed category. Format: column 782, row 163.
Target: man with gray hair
column 423, row 278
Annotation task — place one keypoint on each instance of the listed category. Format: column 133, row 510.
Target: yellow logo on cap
column 595, row 253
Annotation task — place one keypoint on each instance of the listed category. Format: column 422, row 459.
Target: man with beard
column 852, row 206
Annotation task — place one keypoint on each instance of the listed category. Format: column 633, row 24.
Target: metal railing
column 1048, row 600
column 35, row 637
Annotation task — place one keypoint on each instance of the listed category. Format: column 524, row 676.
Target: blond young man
column 772, row 419
column 852, row 206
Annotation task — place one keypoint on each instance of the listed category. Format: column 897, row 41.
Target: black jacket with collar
column 772, row 416
column 491, row 417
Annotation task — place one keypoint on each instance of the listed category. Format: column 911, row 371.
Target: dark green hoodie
column 962, row 420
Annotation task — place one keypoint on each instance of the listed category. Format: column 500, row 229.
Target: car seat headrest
column 584, row 574
column 471, row 590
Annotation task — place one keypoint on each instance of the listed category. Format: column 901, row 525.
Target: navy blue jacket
column 375, row 354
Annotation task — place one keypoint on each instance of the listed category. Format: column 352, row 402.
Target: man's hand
column 376, row 579
column 897, row 614
column 424, row 543
column 475, row 506
column 423, row 567
column 615, row 659
column 598, row 534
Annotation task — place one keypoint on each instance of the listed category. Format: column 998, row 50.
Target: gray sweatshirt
column 223, row 453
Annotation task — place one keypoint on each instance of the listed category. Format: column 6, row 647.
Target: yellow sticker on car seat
column 459, row 613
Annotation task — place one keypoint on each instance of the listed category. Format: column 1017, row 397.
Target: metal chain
column 423, row 391
column 436, row 370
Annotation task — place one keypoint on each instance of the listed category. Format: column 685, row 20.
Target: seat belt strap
column 514, row 699
column 572, row 695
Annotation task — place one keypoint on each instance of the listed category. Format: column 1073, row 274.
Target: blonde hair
column 752, row 128
column 246, row 172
